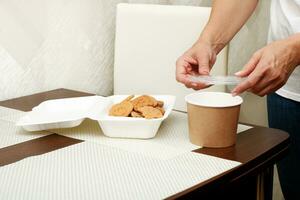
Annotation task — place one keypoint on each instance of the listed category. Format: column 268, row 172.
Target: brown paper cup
column 213, row 118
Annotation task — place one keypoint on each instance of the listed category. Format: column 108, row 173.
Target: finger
column 188, row 86
column 265, row 91
column 188, row 67
column 272, row 77
column 183, row 78
column 270, row 88
column 250, row 82
column 190, row 60
column 250, row 66
column 195, row 85
column 261, row 85
column 181, row 70
column 203, row 66
column 191, row 85
column 186, row 80
column 265, row 82
column 199, row 86
column 183, row 64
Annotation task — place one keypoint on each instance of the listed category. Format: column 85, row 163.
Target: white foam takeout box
column 70, row 112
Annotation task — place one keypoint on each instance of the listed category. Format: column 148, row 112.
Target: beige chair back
column 149, row 39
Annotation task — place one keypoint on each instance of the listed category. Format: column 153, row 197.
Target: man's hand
column 226, row 18
column 198, row 60
column 269, row 68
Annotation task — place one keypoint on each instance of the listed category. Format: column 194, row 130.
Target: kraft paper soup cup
column 213, row 118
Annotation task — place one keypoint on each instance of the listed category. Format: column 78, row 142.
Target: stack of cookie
column 144, row 106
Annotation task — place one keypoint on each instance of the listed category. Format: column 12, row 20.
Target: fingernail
column 234, row 92
column 194, row 84
column 238, row 73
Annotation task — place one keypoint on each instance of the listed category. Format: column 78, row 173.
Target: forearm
column 226, row 19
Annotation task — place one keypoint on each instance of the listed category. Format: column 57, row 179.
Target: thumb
column 250, row 66
column 203, row 66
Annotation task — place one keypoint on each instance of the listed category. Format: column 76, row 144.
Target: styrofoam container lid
column 213, row 99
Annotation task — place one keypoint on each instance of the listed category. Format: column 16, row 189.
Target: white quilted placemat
column 171, row 140
column 10, row 134
column 11, row 115
column 90, row 131
column 92, row 171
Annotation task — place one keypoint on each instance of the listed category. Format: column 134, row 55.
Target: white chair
column 149, row 39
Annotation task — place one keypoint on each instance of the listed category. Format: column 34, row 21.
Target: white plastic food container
column 70, row 112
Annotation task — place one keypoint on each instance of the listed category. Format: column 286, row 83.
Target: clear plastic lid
column 217, row 80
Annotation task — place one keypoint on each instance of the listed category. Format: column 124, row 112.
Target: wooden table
column 257, row 149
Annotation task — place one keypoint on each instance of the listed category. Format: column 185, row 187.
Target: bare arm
column 226, row 19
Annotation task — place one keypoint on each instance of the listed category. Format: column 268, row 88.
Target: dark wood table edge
column 41, row 145
column 25, row 103
column 208, row 187
column 14, row 153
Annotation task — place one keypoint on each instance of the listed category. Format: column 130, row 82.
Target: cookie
column 136, row 114
column 150, row 112
column 128, row 98
column 122, row 109
column 162, row 110
column 142, row 101
column 144, row 106
column 160, row 103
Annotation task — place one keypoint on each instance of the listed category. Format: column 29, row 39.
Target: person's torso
column 285, row 21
